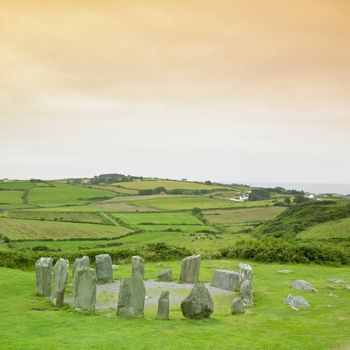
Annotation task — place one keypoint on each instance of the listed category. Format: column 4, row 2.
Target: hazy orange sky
column 223, row 90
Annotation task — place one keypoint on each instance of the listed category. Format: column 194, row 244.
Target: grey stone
column 347, row 288
column 245, row 272
column 225, row 279
column 59, row 282
column 84, row 288
column 303, row 285
column 247, row 293
column 43, row 276
column 163, row 306
column 190, row 268
column 138, row 266
column 198, row 304
column 165, row 276
column 131, row 300
column 104, row 269
column 336, row 280
column 237, row 306
column 83, row 262
column 295, row 301
column 283, row 271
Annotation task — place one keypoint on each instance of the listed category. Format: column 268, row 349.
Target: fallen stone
column 131, row 301
column 283, row 271
column 225, row 279
column 303, row 285
column 245, row 272
column 237, row 306
column 84, row 288
column 247, row 293
column 165, row 276
column 295, row 301
column 83, row 262
column 190, row 267
column 163, row 306
column 104, row 269
column 43, row 276
column 336, row 280
column 138, row 266
column 59, row 282
column 198, row 304
column 347, row 288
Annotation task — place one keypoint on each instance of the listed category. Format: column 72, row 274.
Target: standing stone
column 165, row 276
column 104, row 269
column 138, row 266
column 43, row 276
column 225, row 279
column 59, row 282
column 237, row 306
column 84, row 288
column 245, row 272
column 198, row 304
column 247, row 293
column 83, row 262
column 131, row 300
column 190, row 269
column 163, row 306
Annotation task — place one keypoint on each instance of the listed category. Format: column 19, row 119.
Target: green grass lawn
column 159, row 218
column 62, row 194
column 168, row 184
column 242, row 215
column 332, row 229
column 35, row 229
column 30, row 322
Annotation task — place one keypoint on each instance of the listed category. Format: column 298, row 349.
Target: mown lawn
column 30, row 322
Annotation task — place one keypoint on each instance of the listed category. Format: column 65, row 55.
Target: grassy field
column 16, row 185
column 168, row 185
column 34, row 229
column 30, row 322
column 62, row 194
column 159, row 218
column 242, row 215
column 10, row 197
column 332, row 229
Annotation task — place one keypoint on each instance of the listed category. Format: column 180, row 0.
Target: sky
column 226, row 90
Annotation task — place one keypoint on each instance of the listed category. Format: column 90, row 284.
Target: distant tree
column 208, row 182
column 196, row 211
column 300, row 199
column 259, row 194
column 287, row 200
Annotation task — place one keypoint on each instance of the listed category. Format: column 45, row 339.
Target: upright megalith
column 138, row 266
column 245, row 272
column 237, row 306
column 43, row 276
column 60, row 277
column 165, row 276
column 84, row 288
column 131, row 300
column 190, row 267
column 163, row 306
column 247, row 293
column 83, row 262
column 198, row 304
column 225, row 279
column 104, row 270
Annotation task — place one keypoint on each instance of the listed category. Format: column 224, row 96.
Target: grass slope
column 30, row 322
column 34, row 229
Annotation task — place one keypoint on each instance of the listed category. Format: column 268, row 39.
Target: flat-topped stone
column 131, row 300
column 43, row 276
column 59, row 282
column 84, row 288
column 104, row 270
column 198, row 304
column 137, row 266
column 190, row 268
column 165, row 276
column 225, row 279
